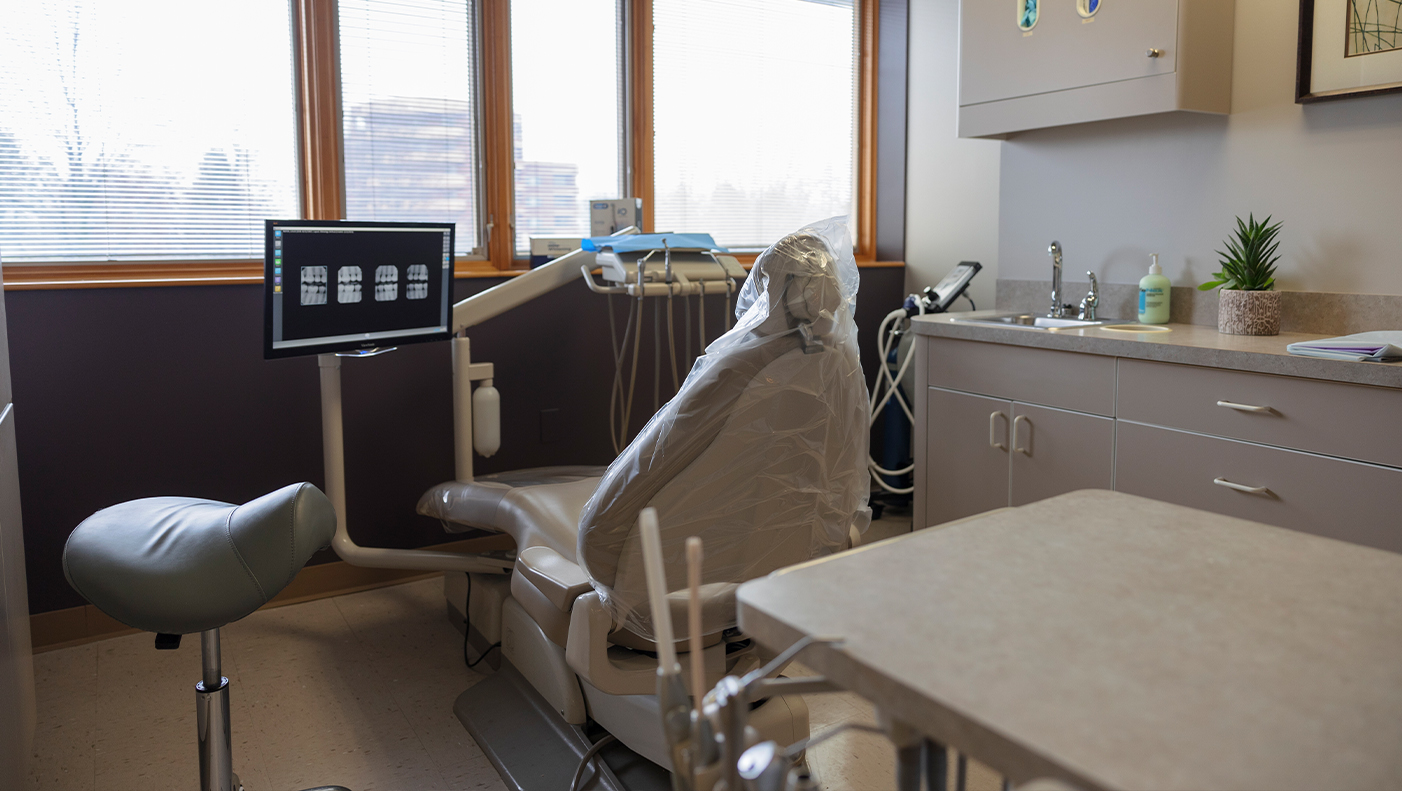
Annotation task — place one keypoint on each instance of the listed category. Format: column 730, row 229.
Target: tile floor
column 355, row 690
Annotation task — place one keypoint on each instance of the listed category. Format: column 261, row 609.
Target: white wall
column 951, row 184
column 1114, row 191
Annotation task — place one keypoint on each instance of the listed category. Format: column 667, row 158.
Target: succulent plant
column 1249, row 263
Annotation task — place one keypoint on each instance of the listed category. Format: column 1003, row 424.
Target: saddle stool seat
column 178, row 565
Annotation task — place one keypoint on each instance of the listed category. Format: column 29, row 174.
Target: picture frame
column 1326, row 72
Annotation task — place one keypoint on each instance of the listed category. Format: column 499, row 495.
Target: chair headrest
column 797, row 283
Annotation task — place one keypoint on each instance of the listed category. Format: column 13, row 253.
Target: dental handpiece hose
column 693, row 604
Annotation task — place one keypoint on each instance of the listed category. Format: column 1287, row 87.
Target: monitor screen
column 954, row 284
column 336, row 286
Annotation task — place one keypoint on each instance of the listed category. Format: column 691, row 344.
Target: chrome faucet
column 1059, row 310
column 1091, row 300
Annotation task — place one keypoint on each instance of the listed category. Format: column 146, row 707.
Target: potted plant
column 1247, row 303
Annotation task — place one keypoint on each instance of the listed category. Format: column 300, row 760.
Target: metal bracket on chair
column 167, row 642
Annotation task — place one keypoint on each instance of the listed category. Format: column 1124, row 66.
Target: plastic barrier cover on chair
column 763, row 451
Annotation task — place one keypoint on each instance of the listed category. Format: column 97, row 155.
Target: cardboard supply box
column 548, row 248
column 611, row 216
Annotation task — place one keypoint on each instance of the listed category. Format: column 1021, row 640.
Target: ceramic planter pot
column 1248, row 312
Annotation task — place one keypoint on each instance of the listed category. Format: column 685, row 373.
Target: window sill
column 39, row 277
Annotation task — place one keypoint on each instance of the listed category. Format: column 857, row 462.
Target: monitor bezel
column 269, row 353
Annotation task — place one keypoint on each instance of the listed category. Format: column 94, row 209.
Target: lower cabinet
column 1347, row 500
column 984, row 453
column 1310, row 455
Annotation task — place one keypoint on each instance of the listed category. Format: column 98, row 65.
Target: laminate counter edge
column 1189, row 344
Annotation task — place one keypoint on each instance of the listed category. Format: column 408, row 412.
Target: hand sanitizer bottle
column 1154, row 291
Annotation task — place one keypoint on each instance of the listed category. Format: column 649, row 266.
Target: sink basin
column 1139, row 328
column 1034, row 322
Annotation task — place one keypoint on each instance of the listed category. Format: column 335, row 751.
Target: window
column 566, row 87
column 165, row 132
column 144, row 130
column 754, row 109
column 408, row 113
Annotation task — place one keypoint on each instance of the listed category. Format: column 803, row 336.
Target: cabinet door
column 966, row 455
column 16, row 665
column 1055, row 452
column 999, row 60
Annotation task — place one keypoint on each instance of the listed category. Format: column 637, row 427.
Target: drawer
column 1325, row 496
column 1352, row 421
column 1067, row 380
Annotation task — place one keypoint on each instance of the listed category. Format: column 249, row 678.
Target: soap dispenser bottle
column 1154, row 292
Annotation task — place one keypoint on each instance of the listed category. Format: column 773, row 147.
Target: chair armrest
column 561, row 580
column 616, row 670
column 587, row 651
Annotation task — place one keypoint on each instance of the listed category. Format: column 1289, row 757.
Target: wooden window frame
column 319, row 147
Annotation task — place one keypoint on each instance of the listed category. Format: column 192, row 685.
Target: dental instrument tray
column 686, row 265
column 337, row 286
column 684, row 257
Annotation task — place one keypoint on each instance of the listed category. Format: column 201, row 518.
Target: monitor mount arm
column 468, row 313
column 488, row 305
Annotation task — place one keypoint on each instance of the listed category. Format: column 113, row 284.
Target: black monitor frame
column 381, row 339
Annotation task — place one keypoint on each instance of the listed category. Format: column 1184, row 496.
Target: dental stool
column 179, row 565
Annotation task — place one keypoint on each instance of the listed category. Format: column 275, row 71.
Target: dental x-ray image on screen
column 367, row 261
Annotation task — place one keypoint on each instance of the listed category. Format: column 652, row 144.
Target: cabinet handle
column 993, row 430
column 1153, row 53
column 1242, row 488
column 1027, row 451
column 1244, row 407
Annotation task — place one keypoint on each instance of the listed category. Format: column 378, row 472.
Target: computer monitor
column 341, row 286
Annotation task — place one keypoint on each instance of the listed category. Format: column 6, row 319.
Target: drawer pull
column 1245, row 407
column 1026, row 451
column 993, row 430
column 1242, row 488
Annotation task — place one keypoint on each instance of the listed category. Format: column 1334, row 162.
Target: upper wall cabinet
column 1031, row 64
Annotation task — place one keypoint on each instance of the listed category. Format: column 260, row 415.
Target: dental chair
column 761, row 454
column 178, row 565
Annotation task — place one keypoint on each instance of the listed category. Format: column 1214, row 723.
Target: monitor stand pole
column 333, row 451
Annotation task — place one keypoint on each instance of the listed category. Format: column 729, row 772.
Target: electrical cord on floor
column 467, row 629
column 588, row 756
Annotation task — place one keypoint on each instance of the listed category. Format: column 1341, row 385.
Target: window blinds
column 409, row 114
column 568, row 113
column 145, row 129
column 754, row 108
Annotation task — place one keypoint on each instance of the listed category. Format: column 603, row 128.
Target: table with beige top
column 1230, row 424
column 1110, row 641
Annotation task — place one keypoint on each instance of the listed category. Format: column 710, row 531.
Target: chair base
column 534, row 749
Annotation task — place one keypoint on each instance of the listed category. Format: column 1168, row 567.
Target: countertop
column 1115, row 642
column 1190, row 344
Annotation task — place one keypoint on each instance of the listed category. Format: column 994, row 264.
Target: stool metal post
column 212, row 719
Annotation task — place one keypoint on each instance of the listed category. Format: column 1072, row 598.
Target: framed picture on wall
column 1348, row 48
